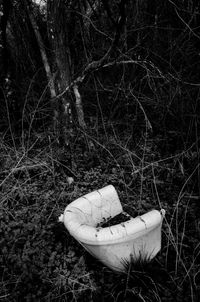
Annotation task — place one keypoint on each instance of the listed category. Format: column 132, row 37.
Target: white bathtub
column 136, row 238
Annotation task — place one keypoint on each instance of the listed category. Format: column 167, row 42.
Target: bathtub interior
column 96, row 206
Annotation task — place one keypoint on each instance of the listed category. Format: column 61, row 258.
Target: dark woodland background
column 98, row 92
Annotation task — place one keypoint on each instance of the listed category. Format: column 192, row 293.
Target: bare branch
column 95, row 65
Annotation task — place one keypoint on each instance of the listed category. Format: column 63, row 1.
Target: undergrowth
column 40, row 261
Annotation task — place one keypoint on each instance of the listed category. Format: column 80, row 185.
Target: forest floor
column 40, row 261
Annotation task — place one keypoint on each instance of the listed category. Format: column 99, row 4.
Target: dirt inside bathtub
column 126, row 215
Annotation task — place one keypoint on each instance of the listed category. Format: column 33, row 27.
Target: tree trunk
column 58, row 35
column 79, row 107
column 47, row 68
column 6, row 5
column 44, row 57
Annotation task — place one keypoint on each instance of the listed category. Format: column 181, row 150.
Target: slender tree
column 43, row 53
column 69, row 25
column 6, row 8
column 71, row 31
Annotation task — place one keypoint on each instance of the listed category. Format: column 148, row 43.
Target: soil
column 122, row 217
